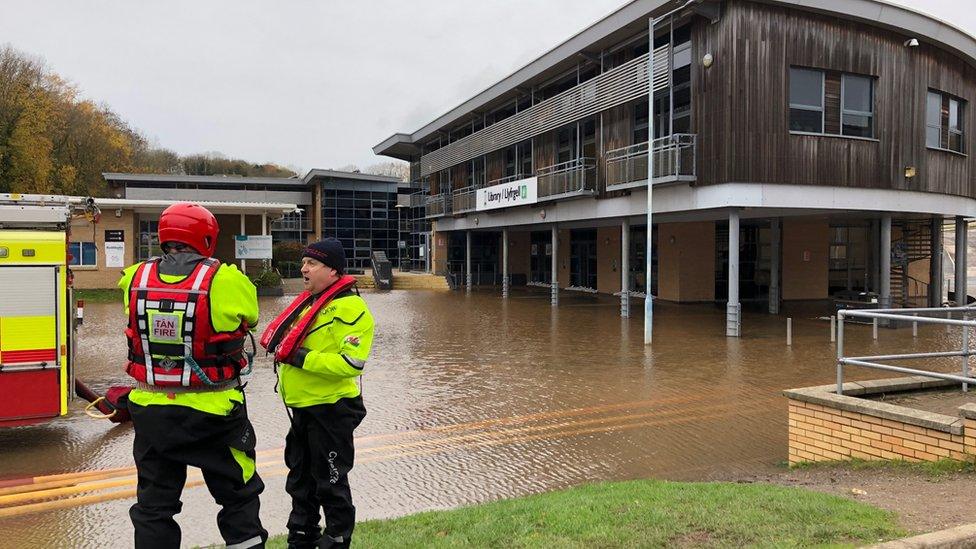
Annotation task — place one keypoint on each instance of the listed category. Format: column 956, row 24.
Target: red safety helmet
column 189, row 224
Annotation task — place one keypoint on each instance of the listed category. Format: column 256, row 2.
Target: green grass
column 99, row 296
column 932, row 469
column 642, row 514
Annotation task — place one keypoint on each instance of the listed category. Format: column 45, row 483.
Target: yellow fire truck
column 37, row 309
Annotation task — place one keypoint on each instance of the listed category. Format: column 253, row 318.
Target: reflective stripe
column 155, row 304
column 191, row 309
column 169, row 290
column 355, row 362
column 142, row 325
column 204, row 269
column 253, row 542
column 165, row 377
column 187, row 350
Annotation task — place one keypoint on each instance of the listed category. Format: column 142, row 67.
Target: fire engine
column 37, row 308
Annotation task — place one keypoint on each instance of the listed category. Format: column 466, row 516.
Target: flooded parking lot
column 473, row 398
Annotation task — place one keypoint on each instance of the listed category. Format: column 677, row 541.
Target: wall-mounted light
column 542, row 214
column 476, row 221
column 118, row 212
column 672, row 239
column 707, row 60
column 911, row 43
column 910, row 172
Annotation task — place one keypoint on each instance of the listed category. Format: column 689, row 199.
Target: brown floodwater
column 472, row 398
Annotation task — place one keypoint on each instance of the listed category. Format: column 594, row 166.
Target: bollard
column 833, row 329
column 789, row 332
column 874, row 328
column 915, row 327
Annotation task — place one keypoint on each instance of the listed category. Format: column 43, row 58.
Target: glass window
column 944, row 128
column 82, row 254
column 640, row 122
column 806, row 100
column 857, row 109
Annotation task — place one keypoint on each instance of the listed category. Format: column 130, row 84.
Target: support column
column 243, row 232
column 961, row 241
column 467, row 259
column 505, row 263
column 884, row 254
column 625, row 269
column 774, row 267
column 935, row 264
column 554, row 289
column 875, row 259
column 733, row 312
column 264, row 232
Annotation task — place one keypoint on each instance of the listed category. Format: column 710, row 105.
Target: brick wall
column 823, row 433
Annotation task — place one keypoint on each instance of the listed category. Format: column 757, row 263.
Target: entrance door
column 582, row 258
column 541, row 257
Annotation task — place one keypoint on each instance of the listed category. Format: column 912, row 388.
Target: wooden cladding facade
column 741, row 103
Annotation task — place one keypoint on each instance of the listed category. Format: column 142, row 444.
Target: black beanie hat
column 329, row 252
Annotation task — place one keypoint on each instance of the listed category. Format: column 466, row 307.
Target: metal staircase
column 915, row 244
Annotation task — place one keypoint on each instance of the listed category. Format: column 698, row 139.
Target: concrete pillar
column 935, row 264
column 504, row 263
column 243, row 232
column 467, row 259
column 961, row 241
column 733, row 311
column 884, row 254
column 774, row 267
column 875, row 259
column 625, row 269
column 554, row 300
column 264, row 232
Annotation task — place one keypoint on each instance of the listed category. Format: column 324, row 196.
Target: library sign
column 507, row 195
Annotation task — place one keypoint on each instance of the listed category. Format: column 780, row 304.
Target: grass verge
column 645, row 513
column 99, row 296
column 932, row 469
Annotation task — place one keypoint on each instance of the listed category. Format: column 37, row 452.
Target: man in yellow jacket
column 320, row 389
column 188, row 406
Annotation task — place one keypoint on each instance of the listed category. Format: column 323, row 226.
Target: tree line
column 54, row 142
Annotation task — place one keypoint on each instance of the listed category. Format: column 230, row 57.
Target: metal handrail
column 463, row 199
column 908, row 315
column 674, row 158
column 575, row 177
column 503, row 180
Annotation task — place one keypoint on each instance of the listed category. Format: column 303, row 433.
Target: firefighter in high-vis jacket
column 189, row 317
column 321, row 343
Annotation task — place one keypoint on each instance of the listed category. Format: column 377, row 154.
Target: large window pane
column 806, row 88
column 954, row 121
column 933, row 118
column 932, row 136
column 857, row 93
column 802, row 120
column 88, row 253
column 857, row 125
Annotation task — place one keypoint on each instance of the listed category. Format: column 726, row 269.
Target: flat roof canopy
column 254, row 208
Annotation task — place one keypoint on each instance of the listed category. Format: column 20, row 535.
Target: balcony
column 438, row 205
column 567, row 179
column 293, row 224
column 674, row 160
column 464, row 200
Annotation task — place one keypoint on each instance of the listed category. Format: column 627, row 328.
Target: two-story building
column 801, row 150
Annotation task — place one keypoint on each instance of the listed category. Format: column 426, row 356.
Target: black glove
column 298, row 360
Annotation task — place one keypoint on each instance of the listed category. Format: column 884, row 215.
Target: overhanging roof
column 205, row 179
column 106, row 204
column 875, row 12
column 349, row 175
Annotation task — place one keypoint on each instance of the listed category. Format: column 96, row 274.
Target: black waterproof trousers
column 168, row 438
column 319, row 453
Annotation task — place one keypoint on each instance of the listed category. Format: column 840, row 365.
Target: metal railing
column 292, row 224
column 507, row 179
column 464, row 200
column 674, row 160
column 576, row 177
column 909, row 316
column 438, row 205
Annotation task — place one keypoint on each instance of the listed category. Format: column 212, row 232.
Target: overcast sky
column 303, row 83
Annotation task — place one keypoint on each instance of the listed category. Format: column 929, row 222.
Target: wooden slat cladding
column 832, row 102
column 544, row 150
column 741, row 103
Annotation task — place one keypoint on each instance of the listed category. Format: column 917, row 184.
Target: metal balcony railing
column 574, row 178
column 418, row 199
column 674, row 160
column 463, row 200
column 508, row 179
column 292, row 224
column 438, row 205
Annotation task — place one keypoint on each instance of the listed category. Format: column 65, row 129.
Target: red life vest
column 284, row 336
column 170, row 321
